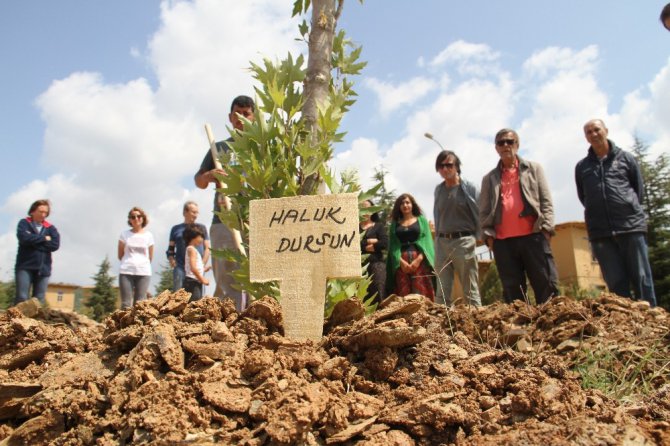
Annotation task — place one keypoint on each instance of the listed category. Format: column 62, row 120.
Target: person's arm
column 207, row 172
column 635, row 178
column 484, row 211
column 52, row 240
column 546, row 203
column 172, row 244
column 121, row 249
column 206, row 252
column 26, row 236
column 578, row 183
column 382, row 238
column 171, row 254
column 151, row 253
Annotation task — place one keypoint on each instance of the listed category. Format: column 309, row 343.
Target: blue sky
column 103, row 102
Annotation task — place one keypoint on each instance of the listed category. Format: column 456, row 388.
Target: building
column 65, row 296
column 574, row 259
column 61, row 296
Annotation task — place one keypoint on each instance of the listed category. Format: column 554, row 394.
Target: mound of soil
column 412, row 373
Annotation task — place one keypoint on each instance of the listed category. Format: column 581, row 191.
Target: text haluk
column 304, row 216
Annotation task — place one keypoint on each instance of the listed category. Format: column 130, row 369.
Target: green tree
column 166, row 281
column 103, row 297
column 7, row 294
column 656, row 203
column 384, row 198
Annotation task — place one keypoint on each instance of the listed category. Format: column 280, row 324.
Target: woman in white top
column 136, row 251
column 193, row 266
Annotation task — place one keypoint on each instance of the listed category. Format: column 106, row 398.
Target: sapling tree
column 285, row 150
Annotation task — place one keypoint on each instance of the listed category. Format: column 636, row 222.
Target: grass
column 625, row 375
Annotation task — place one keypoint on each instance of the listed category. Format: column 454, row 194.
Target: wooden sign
column 301, row 242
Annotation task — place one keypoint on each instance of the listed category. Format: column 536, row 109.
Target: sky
column 103, row 103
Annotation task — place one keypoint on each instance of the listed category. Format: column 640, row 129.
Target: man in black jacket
column 609, row 185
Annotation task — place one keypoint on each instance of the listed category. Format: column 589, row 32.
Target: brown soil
column 412, row 373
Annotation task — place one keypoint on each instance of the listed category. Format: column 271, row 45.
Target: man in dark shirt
column 221, row 236
column 610, row 186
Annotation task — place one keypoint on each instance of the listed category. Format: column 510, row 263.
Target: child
column 195, row 270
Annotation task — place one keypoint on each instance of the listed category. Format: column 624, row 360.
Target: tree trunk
column 317, row 81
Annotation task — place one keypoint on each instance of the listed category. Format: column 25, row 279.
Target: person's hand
column 47, row 238
column 205, row 282
column 547, row 235
column 370, row 247
column 372, row 241
column 207, row 268
column 415, row 264
column 212, row 176
column 172, row 261
column 489, row 242
column 404, row 267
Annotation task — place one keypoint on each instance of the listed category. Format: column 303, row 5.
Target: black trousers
column 194, row 287
column 529, row 255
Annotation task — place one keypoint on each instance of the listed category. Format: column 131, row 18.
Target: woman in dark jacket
column 374, row 241
column 37, row 240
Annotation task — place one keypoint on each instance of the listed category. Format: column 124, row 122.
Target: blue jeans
column 624, row 262
column 178, row 275
column 133, row 289
column 24, row 279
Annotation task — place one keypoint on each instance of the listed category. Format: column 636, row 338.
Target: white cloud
column 554, row 59
column 471, row 59
column 392, row 97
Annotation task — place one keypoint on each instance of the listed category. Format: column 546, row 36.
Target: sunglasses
column 135, row 217
column 447, row 165
column 505, row 142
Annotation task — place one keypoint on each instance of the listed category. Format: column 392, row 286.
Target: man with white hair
column 610, row 186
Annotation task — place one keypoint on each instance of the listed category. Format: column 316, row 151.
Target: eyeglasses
column 447, row 165
column 505, row 142
column 135, row 217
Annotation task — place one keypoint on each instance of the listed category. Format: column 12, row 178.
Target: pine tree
column 656, row 203
column 166, row 281
column 103, row 297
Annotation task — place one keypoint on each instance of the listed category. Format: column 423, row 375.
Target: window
column 59, row 297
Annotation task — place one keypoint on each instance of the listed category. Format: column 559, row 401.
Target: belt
column 453, row 235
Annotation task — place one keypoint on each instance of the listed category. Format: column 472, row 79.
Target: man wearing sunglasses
column 517, row 218
column 610, row 186
column 456, row 216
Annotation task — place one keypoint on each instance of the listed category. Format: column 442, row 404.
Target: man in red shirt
column 517, row 219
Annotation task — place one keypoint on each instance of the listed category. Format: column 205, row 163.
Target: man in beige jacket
column 517, row 219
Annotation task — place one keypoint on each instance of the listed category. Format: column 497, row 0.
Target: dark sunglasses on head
column 447, row 165
column 133, row 217
column 505, row 142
